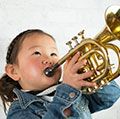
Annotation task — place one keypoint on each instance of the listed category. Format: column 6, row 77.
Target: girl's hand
column 70, row 75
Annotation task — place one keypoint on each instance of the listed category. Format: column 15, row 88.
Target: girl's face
column 37, row 53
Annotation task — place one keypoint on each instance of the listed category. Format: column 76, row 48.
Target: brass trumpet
column 96, row 51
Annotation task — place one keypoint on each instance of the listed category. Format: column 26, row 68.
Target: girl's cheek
column 35, row 65
column 35, row 62
column 35, row 71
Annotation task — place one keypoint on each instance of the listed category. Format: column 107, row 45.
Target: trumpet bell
column 112, row 17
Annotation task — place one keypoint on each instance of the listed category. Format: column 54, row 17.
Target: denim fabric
column 29, row 106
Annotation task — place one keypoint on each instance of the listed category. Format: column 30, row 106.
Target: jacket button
column 72, row 95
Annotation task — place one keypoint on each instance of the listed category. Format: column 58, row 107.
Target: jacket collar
column 25, row 99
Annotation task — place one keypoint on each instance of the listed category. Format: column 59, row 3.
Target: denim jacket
column 29, row 106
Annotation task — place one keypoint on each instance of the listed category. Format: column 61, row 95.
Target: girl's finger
column 79, row 65
column 86, row 83
column 85, row 75
column 74, row 59
column 66, row 64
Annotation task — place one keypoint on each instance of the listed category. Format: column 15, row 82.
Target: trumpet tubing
column 96, row 51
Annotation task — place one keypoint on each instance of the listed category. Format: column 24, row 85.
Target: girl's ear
column 11, row 72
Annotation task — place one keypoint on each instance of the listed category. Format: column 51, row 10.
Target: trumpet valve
column 69, row 43
column 75, row 40
column 82, row 34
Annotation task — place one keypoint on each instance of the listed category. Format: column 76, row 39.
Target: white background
column 61, row 18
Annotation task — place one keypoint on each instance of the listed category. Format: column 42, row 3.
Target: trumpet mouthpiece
column 49, row 72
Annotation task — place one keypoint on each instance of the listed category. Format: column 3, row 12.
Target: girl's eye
column 53, row 54
column 37, row 53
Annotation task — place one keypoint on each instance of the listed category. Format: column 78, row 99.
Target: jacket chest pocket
column 40, row 112
column 39, row 109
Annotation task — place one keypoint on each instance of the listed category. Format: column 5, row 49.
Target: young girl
column 33, row 95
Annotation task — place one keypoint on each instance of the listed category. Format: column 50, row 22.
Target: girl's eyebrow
column 35, row 46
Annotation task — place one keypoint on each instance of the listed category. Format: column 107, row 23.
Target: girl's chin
column 54, row 80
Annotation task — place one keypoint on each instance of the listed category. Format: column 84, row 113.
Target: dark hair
column 7, row 84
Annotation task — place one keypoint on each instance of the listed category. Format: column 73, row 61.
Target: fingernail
column 85, row 61
column 78, row 53
column 94, row 84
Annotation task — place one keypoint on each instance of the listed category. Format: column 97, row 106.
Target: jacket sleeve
column 104, row 98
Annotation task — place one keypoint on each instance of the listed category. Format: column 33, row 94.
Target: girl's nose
column 47, row 62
